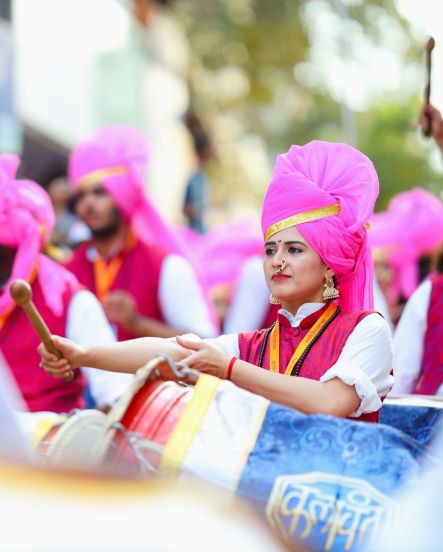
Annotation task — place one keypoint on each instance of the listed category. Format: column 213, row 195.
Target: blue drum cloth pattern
column 323, row 482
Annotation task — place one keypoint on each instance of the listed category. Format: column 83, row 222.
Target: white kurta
column 87, row 324
column 409, row 340
column 181, row 298
column 365, row 361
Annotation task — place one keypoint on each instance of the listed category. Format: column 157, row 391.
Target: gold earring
column 273, row 300
column 330, row 292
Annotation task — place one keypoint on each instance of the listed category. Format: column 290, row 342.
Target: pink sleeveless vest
column 271, row 316
column 321, row 357
column 139, row 275
column 19, row 343
column 431, row 376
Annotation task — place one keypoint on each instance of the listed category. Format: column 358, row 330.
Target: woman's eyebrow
column 291, row 242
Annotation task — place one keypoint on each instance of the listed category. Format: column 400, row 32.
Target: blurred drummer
column 319, row 268
column 134, row 262
column 418, row 346
column 26, row 221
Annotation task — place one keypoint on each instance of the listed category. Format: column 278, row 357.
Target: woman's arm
column 310, row 396
column 307, row 395
column 124, row 356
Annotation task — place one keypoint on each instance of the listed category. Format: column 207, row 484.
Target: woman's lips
column 280, row 276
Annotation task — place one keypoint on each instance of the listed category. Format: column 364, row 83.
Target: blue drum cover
column 324, row 482
column 419, row 422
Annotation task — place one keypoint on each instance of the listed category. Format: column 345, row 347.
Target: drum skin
column 72, row 442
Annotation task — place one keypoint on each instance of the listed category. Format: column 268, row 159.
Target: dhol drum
column 322, row 482
column 66, row 440
column 141, row 421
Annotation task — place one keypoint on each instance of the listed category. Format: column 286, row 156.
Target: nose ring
column 282, row 266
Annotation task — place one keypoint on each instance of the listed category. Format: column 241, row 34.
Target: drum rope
column 137, row 443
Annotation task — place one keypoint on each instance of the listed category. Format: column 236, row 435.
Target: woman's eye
column 294, row 250
column 269, row 251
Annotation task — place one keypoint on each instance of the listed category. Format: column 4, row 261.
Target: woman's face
column 303, row 277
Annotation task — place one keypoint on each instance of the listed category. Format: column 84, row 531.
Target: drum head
column 74, row 444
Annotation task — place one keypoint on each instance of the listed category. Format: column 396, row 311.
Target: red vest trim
column 19, row 342
column 139, row 275
column 431, row 376
column 321, row 357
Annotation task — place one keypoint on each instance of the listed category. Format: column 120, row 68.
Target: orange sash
column 302, row 346
column 105, row 272
column 4, row 317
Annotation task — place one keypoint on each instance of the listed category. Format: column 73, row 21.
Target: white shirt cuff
column 365, row 388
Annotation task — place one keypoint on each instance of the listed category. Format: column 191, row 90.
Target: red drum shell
column 152, row 414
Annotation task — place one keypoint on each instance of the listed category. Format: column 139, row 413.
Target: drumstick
column 21, row 292
column 429, row 47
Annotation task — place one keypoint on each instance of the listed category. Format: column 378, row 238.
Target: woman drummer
column 319, row 268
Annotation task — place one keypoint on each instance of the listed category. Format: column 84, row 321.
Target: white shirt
column 381, row 305
column 12, row 438
column 87, row 324
column 409, row 340
column 250, row 302
column 365, row 361
column 180, row 296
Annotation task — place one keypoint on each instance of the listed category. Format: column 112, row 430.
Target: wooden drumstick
column 21, row 292
column 429, row 47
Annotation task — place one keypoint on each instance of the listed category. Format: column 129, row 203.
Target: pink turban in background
column 382, row 232
column 328, row 191
column 417, row 216
column 117, row 156
column 26, row 222
column 221, row 252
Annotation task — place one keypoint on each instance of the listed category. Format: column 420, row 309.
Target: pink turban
column 117, row 156
column 26, row 221
column 221, row 252
column 328, row 191
column 418, row 218
column 382, row 233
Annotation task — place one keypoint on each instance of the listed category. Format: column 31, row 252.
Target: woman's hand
column 204, row 358
column 73, row 356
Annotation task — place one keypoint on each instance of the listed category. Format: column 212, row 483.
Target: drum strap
column 184, row 432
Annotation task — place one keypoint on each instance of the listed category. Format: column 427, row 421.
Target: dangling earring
column 330, row 292
column 273, row 300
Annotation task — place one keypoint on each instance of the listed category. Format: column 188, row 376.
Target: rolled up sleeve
column 366, row 363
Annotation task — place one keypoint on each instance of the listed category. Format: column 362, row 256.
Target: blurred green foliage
column 256, row 45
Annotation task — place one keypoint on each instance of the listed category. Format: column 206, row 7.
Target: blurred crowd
column 104, row 265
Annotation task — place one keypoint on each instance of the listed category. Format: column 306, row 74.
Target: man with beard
column 134, row 262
